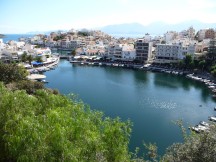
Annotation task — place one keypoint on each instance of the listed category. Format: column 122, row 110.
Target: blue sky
column 21, row 16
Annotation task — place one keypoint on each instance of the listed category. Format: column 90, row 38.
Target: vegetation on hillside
column 12, row 73
column 196, row 148
column 48, row 127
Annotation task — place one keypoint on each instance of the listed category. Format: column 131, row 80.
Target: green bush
column 48, row 127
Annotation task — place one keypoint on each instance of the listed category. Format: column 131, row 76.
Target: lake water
column 152, row 101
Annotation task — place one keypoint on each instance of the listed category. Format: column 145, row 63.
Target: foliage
column 29, row 59
column 48, row 127
column 82, row 33
column 12, row 72
column 24, row 57
column 188, row 61
column 73, row 52
column 213, row 70
column 152, row 151
column 38, row 59
column 196, row 148
column 163, row 42
column 29, row 86
column 58, row 37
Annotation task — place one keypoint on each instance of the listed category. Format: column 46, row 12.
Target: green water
column 152, row 101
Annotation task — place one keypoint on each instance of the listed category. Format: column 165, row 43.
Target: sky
column 21, row 16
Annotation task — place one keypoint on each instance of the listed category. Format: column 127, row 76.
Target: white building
column 128, row 53
column 76, row 44
column 169, row 36
column 122, row 52
column 201, row 34
column 114, row 51
column 2, row 45
column 171, row 53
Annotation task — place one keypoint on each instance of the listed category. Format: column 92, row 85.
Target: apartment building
column 143, row 50
column 172, row 53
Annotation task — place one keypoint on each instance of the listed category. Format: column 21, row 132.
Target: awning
column 37, row 63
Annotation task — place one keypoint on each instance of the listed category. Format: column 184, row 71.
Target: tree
column 196, row 147
column 38, row 59
column 48, row 127
column 73, row 52
column 163, row 42
column 188, row 61
column 12, row 72
column 202, row 64
column 29, row 86
column 29, row 59
column 24, row 56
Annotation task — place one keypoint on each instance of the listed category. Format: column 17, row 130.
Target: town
column 167, row 49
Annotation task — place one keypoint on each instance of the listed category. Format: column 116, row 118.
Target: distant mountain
column 156, row 28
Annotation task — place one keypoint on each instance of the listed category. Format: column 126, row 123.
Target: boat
column 196, row 129
column 75, row 61
column 214, row 108
column 44, row 81
column 212, row 118
column 199, row 128
column 212, row 87
column 203, row 123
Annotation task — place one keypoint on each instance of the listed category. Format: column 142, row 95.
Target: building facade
column 172, row 53
column 143, row 50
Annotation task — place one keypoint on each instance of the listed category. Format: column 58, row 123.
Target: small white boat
column 196, row 129
column 44, row 81
column 203, row 123
column 212, row 118
column 199, row 128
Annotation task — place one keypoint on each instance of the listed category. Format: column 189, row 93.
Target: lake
column 152, row 101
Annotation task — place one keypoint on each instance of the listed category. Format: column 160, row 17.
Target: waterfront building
column 212, row 50
column 114, row 51
column 123, row 52
column 172, row 53
column 77, row 44
column 128, row 53
column 65, row 43
column 143, row 50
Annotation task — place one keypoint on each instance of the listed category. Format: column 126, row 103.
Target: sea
column 15, row 37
